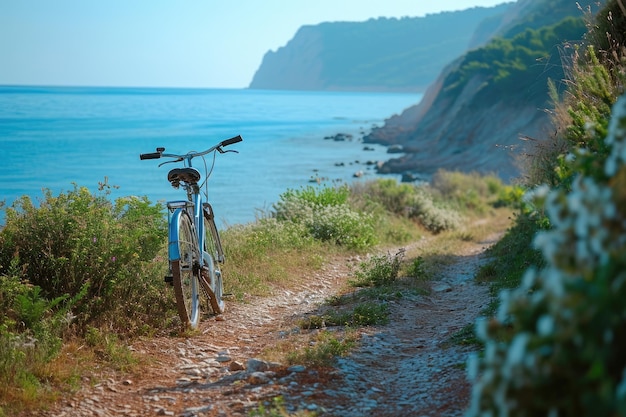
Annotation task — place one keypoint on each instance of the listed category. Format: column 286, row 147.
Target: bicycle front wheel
column 185, row 273
column 213, row 248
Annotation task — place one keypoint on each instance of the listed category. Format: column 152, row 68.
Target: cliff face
column 456, row 134
column 295, row 67
column 377, row 55
column 497, row 102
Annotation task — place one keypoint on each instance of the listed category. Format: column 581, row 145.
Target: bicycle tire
column 185, row 273
column 213, row 247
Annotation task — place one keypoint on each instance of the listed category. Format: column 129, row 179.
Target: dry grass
column 436, row 250
column 440, row 250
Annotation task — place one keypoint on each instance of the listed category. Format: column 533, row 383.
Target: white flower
column 615, row 137
column 472, row 367
column 553, row 281
column 545, row 325
column 539, row 192
column 481, row 328
column 620, row 391
column 517, row 349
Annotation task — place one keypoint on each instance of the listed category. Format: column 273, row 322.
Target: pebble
column 257, row 378
column 236, row 366
column 257, row 365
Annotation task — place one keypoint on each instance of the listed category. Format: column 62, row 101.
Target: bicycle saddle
column 189, row 175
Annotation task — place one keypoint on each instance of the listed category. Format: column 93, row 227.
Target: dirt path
column 400, row 369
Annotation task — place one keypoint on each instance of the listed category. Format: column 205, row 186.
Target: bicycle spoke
column 185, row 273
column 213, row 258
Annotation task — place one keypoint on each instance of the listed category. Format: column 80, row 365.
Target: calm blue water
column 52, row 137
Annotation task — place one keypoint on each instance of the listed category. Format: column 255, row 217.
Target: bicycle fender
column 172, row 246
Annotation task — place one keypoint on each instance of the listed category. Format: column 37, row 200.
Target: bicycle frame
column 187, row 220
column 175, row 210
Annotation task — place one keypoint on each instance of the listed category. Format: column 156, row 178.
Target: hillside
column 377, row 55
column 473, row 116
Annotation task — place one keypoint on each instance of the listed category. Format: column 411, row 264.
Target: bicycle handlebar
column 160, row 151
column 231, row 141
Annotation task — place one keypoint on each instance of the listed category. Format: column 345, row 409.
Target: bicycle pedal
column 169, row 279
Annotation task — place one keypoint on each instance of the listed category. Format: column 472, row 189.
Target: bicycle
column 194, row 247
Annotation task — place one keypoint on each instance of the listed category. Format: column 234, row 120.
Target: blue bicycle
column 194, row 248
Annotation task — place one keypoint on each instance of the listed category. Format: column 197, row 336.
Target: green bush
column 433, row 217
column 78, row 243
column 327, row 216
column 379, row 270
column 469, row 191
column 326, row 349
column 264, row 235
column 417, row 202
column 31, row 329
column 292, row 200
column 557, row 344
column 394, row 196
column 343, row 226
column 417, row 269
column 370, row 313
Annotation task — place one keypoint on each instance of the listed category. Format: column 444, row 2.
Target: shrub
column 370, row 313
column 556, row 346
column 467, row 191
column 30, row 336
column 393, row 196
column 379, row 270
column 78, row 243
column 326, row 349
column 417, row 268
column 343, row 226
column 434, row 218
column 292, row 201
column 327, row 216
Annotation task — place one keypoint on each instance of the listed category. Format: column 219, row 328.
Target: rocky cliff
column 499, row 99
column 377, row 55
column 456, row 133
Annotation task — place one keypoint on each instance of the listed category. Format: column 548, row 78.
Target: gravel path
column 404, row 368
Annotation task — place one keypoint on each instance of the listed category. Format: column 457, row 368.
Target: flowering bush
column 432, row 217
column 556, row 347
column 379, row 270
column 343, row 226
column 423, row 203
column 327, row 216
column 86, row 246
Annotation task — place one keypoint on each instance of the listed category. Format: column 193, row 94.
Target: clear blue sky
column 168, row 43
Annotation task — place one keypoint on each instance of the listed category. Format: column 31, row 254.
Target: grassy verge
column 384, row 276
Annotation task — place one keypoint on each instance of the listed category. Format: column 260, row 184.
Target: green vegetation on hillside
column 526, row 61
column 394, row 52
column 542, row 13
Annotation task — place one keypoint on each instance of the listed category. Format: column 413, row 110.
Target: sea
column 53, row 138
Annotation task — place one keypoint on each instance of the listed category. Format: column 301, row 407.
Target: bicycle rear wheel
column 185, row 273
column 213, row 248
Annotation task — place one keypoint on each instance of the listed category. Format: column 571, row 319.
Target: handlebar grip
column 230, row 141
column 153, row 155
